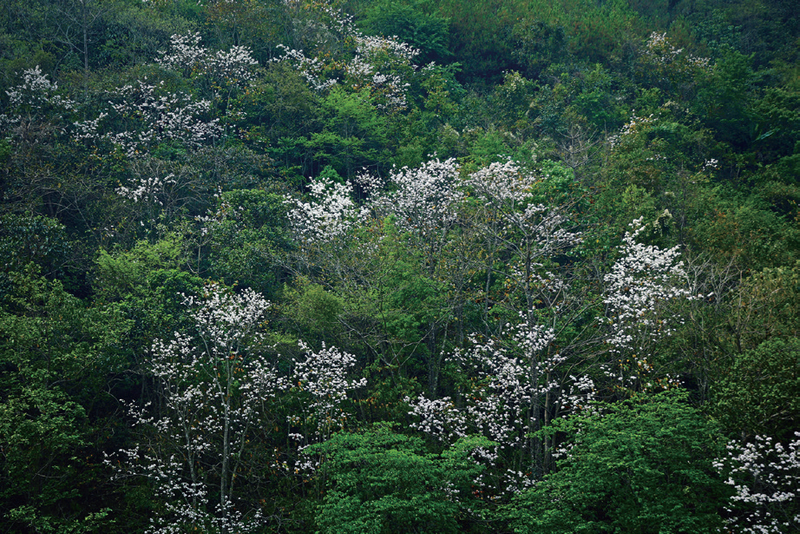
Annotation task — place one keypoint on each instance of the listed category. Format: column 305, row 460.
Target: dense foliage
column 399, row 266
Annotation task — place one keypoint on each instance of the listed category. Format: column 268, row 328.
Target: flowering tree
column 425, row 201
column 322, row 383
column 214, row 388
column 641, row 282
column 518, row 237
column 380, row 66
column 36, row 97
column 218, row 73
column 519, row 380
column 519, row 386
column 765, row 476
column 329, row 214
column 140, row 116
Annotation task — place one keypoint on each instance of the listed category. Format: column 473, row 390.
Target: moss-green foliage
column 759, row 395
column 55, row 356
column 247, row 239
column 383, row 482
column 643, row 465
column 413, row 24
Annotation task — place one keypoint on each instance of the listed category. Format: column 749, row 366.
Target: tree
column 382, row 482
column 214, row 390
column 517, row 385
column 409, row 23
column 248, row 233
column 56, row 355
column 641, row 282
column 764, row 475
column 760, row 393
column 642, row 465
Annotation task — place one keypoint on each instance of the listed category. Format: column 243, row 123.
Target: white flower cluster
column 228, row 319
column 329, row 215
column 379, row 64
column 506, row 192
column 34, row 93
column 439, row 418
column 323, row 375
column 147, row 189
column 374, row 54
column 371, row 46
column 36, row 90
column 766, row 478
column 152, row 118
column 213, row 391
column 515, row 226
column 425, row 198
column 503, row 184
column 150, row 115
column 631, row 127
column 312, row 69
column 659, row 49
column 515, row 372
column 88, row 129
column 641, row 282
column 186, row 54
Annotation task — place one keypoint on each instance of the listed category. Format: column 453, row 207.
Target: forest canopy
column 497, row 266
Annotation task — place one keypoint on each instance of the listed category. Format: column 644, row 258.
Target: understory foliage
column 620, row 453
column 399, row 266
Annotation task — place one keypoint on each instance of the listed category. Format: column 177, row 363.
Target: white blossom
column 329, row 214
column 425, row 199
column 766, row 478
column 32, row 96
column 153, row 117
column 324, row 376
column 641, row 282
column 213, row 388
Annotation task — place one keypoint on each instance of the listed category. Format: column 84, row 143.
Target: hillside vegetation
column 395, row 266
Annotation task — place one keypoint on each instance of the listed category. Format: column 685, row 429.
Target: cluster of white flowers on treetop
column 147, row 189
column 323, row 375
column 312, row 69
column 515, row 375
column 214, row 388
column 152, row 116
column 766, row 477
column 526, row 232
column 36, row 90
column 187, row 55
column 641, row 282
column 377, row 65
column 659, row 49
column 34, row 93
column 329, row 214
column 634, row 125
column 380, row 65
column 502, row 183
column 426, row 198
column 506, row 192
